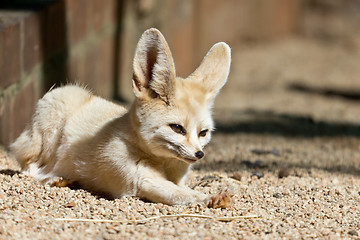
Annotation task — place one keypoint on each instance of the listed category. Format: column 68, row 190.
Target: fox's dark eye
column 178, row 128
column 203, row 133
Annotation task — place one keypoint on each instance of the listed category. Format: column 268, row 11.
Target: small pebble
column 277, row 195
column 236, row 176
column 275, row 152
column 258, row 164
column 283, row 172
column 258, row 174
column 353, row 233
column 70, row 204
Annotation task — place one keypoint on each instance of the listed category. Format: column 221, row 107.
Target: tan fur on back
column 145, row 151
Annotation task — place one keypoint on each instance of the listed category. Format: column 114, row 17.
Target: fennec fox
column 144, row 152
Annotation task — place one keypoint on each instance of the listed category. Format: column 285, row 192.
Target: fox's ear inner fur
column 154, row 70
column 214, row 69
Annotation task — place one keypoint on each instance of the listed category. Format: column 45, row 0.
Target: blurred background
column 295, row 63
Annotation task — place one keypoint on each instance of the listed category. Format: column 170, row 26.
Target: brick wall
column 93, row 42
column 64, row 41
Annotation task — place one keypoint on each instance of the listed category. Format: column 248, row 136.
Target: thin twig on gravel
column 221, row 219
column 226, row 177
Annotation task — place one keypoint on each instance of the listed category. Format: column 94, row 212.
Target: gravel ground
column 289, row 155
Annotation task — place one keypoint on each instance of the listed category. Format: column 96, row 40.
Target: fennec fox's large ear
column 154, row 70
column 214, row 69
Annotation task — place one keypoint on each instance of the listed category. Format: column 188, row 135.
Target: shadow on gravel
column 327, row 92
column 9, row 172
column 258, row 167
column 267, row 122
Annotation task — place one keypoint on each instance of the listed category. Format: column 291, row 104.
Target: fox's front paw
column 61, row 182
column 220, row 200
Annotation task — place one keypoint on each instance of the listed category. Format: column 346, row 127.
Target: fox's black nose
column 199, row 154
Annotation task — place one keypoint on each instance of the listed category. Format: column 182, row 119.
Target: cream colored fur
column 105, row 148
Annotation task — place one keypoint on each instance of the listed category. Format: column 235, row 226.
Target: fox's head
column 173, row 115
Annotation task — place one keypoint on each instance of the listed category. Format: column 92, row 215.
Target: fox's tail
column 27, row 147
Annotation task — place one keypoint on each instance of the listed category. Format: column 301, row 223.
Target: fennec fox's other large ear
column 214, row 69
column 154, row 70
